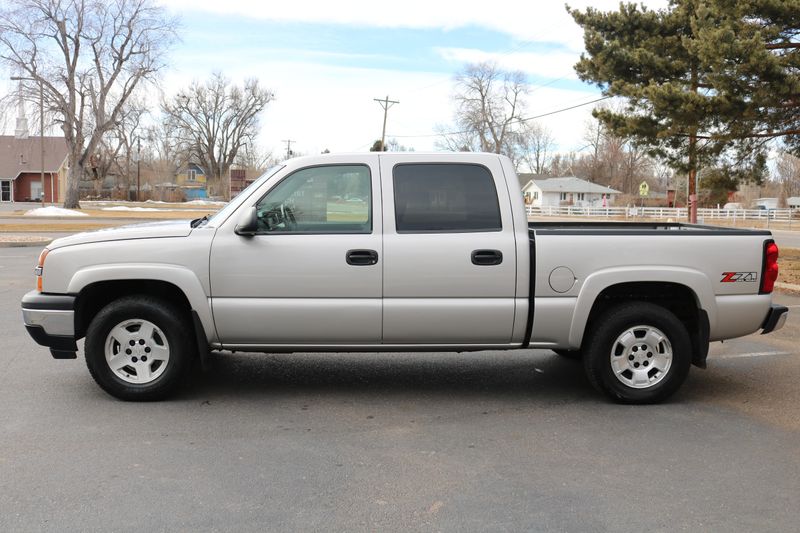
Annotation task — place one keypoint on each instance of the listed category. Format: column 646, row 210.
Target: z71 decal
column 733, row 277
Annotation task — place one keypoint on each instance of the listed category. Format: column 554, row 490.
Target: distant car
column 733, row 205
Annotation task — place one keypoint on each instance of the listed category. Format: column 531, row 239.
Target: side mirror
column 247, row 225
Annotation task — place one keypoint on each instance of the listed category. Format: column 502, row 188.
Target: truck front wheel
column 137, row 348
column 638, row 353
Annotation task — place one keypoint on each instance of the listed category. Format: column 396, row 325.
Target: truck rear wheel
column 638, row 353
column 137, row 348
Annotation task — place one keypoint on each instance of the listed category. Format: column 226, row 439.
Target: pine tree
column 706, row 82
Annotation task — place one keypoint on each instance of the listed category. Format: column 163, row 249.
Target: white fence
column 675, row 213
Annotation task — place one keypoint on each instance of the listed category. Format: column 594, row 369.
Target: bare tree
column 489, row 110
column 594, row 137
column 393, row 145
column 165, row 152
column 215, row 119
column 562, row 165
column 89, row 57
column 613, row 160
column 788, row 173
column 254, row 160
column 118, row 148
column 536, row 146
column 458, row 141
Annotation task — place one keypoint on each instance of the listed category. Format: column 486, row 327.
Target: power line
column 519, row 121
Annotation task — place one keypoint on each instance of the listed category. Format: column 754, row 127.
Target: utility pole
column 41, row 142
column 138, row 163
column 385, row 104
column 289, row 152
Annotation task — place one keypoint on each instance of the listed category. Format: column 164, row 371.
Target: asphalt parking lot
column 501, row 441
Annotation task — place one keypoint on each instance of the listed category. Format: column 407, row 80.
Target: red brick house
column 20, row 169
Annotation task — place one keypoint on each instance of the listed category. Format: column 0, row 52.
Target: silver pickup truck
column 400, row 252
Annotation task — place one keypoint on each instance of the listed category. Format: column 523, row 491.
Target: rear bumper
column 50, row 321
column 776, row 318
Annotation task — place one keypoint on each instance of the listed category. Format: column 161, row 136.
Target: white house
column 555, row 192
column 793, row 202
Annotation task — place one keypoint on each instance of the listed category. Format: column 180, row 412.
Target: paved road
column 787, row 239
column 433, row 442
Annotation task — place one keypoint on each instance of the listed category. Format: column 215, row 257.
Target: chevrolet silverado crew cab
column 394, row 252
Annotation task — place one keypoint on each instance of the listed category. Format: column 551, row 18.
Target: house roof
column 572, row 184
column 525, row 178
column 24, row 155
column 195, row 166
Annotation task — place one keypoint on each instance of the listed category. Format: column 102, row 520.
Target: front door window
column 326, row 199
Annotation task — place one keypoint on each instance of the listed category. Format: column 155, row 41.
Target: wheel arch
column 686, row 293
column 97, row 286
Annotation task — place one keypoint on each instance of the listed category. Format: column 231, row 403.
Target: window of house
column 324, row 199
column 192, row 174
column 563, row 196
column 535, row 195
column 444, row 198
column 580, row 196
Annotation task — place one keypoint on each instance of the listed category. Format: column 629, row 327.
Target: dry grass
column 66, row 227
column 789, row 266
column 184, row 213
column 98, row 213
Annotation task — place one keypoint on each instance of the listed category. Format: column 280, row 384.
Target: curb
column 789, row 288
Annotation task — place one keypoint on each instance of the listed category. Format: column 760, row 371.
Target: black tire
column 576, row 355
column 635, row 317
column 178, row 340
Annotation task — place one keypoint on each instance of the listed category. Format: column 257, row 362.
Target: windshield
column 234, row 204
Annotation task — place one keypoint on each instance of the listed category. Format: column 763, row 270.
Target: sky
column 327, row 61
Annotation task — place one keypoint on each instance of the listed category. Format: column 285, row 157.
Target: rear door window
column 445, row 198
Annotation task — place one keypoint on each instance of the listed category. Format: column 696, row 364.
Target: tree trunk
column 74, row 173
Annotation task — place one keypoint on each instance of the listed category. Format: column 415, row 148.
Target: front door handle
column 487, row 257
column 361, row 257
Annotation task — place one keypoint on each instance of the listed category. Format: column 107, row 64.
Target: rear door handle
column 487, row 257
column 361, row 257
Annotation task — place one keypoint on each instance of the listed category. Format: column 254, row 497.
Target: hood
column 148, row 230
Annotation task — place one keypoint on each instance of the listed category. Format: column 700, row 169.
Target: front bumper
column 776, row 318
column 50, row 320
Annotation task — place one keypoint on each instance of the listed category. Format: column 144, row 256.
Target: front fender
column 180, row 276
column 598, row 281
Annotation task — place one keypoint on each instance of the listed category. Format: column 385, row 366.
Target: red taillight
column 770, row 273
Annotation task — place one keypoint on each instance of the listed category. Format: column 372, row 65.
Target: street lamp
column 41, row 131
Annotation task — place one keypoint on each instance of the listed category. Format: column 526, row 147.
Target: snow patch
column 53, row 211
column 204, row 202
